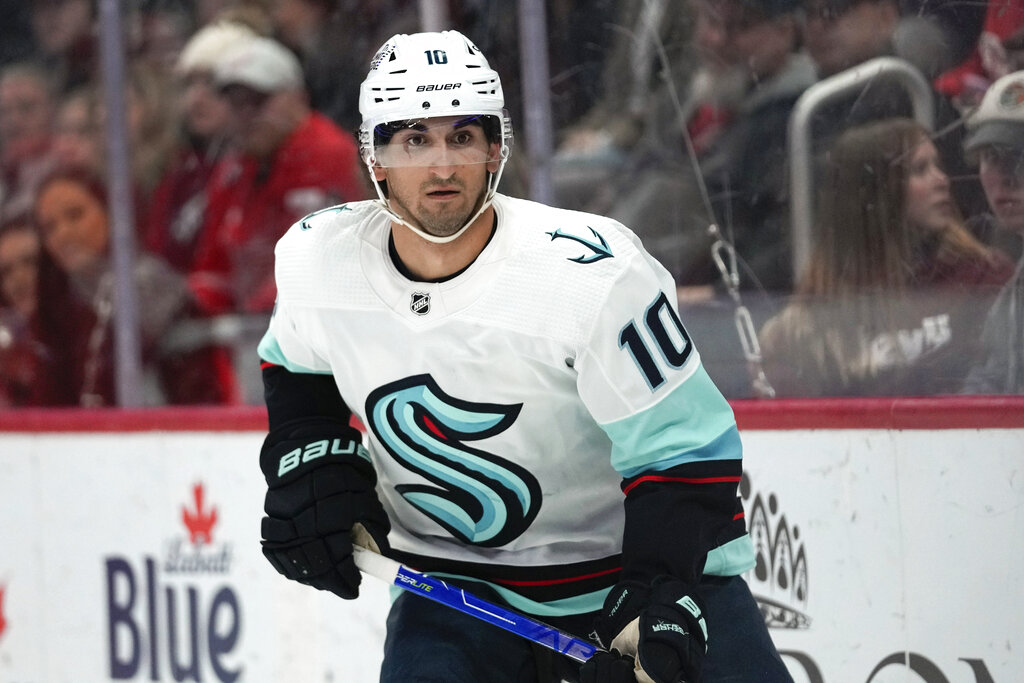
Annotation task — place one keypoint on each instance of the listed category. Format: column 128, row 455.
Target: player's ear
column 493, row 157
column 379, row 173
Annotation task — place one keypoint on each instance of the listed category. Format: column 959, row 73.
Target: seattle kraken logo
column 479, row 497
column 600, row 248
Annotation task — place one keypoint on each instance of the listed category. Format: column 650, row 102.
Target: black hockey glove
column 661, row 625
column 318, row 490
column 608, row 667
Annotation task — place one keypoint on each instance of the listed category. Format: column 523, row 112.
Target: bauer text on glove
column 319, row 487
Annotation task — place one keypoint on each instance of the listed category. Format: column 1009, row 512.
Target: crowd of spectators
column 896, row 287
column 670, row 115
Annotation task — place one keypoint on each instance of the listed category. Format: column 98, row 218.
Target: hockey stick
column 399, row 575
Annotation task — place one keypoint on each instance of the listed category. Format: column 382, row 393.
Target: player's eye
column 415, row 140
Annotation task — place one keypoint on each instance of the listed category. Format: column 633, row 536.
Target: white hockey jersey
column 505, row 406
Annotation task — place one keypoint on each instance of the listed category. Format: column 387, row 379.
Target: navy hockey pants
column 431, row 643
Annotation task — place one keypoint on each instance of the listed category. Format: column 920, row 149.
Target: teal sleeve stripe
column 726, row 446
column 693, row 423
column 270, row 351
column 732, row 558
column 577, row 604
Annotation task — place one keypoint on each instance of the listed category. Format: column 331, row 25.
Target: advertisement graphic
column 779, row 579
column 3, row 621
column 199, row 521
column 176, row 617
column 883, row 556
column 875, row 551
column 138, row 559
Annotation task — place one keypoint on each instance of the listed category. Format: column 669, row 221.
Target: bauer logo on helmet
column 437, row 86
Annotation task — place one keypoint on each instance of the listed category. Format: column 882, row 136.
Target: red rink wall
column 890, row 532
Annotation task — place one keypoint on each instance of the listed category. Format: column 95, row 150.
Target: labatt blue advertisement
column 883, row 556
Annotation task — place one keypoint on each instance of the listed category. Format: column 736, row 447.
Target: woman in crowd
column 74, row 316
column 80, row 135
column 896, row 286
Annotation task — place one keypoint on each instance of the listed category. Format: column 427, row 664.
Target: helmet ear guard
column 431, row 75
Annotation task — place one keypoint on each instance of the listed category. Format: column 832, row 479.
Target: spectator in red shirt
column 178, row 207
column 293, row 161
column 177, row 214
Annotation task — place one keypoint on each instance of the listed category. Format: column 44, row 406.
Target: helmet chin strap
column 492, row 187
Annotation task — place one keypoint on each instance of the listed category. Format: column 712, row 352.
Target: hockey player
column 540, row 429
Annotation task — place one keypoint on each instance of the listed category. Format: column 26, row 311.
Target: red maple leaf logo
column 3, row 622
column 199, row 521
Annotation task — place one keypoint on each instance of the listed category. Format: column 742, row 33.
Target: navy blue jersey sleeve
column 675, row 517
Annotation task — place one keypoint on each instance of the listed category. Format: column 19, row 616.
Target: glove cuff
column 618, row 626
column 622, row 606
column 288, row 460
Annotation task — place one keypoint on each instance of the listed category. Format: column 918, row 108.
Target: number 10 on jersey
column 660, row 329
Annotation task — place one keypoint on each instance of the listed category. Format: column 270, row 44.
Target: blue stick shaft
column 401, row 576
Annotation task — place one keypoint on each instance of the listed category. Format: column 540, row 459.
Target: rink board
column 891, row 552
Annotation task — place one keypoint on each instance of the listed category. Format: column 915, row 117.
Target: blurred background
column 836, row 185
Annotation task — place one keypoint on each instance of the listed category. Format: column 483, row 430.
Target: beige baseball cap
column 260, row 63
column 999, row 119
column 205, row 47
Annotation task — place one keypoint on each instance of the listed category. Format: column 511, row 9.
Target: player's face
column 929, row 205
column 1001, row 170
column 437, row 172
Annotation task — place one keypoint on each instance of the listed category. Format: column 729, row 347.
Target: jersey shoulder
column 322, row 248
column 578, row 252
column 569, row 268
column 596, row 237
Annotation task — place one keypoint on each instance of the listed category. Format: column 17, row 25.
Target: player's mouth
column 443, row 194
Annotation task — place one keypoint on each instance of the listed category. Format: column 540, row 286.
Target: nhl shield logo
column 420, row 304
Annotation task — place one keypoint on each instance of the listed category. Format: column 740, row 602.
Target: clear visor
column 447, row 141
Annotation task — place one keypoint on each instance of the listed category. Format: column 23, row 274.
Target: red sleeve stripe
column 738, row 515
column 553, row 582
column 264, row 365
column 681, row 480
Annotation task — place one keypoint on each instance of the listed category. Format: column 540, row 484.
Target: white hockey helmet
column 428, row 75
column 424, row 75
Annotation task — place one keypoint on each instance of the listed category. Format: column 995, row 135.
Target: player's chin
column 441, row 223
column 446, row 211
